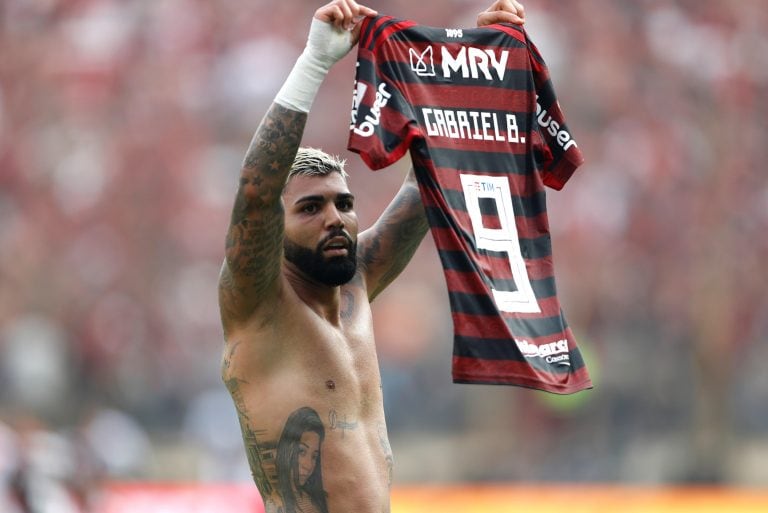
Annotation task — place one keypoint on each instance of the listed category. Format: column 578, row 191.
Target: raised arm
column 250, row 274
column 386, row 247
column 254, row 240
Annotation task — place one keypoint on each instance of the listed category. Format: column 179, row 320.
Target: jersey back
column 486, row 134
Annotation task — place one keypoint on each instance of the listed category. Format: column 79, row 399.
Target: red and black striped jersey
column 478, row 113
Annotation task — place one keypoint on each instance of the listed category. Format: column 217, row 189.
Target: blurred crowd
column 122, row 129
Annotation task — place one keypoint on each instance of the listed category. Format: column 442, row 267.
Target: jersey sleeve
column 382, row 123
column 559, row 152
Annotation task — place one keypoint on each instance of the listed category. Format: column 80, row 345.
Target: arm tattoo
column 255, row 236
column 396, row 236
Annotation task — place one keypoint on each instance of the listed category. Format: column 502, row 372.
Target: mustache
column 337, row 233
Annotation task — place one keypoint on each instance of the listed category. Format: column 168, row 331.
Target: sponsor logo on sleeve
column 553, row 128
column 372, row 119
column 357, row 99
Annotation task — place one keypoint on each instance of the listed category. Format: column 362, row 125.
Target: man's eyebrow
column 321, row 198
column 313, row 197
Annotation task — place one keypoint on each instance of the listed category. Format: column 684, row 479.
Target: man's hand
column 502, row 11
column 344, row 15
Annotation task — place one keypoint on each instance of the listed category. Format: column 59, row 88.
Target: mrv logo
column 469, row 62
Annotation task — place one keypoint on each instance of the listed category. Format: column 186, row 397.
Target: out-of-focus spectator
column 122, row 126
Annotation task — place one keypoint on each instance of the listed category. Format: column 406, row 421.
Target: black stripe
column 494, row 163
column 487, row 348
column 379, row 30
column 527, row 206
column 488, row 207
column 514, row 79
column 459, row 261
column 482, row 305
column 546, row 95
column 367, row 71
column 536, row 247
column 470, row 36
column 506, row 349
column 531, row 249
column 369, row 24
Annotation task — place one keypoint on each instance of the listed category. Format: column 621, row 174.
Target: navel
column 330, row 385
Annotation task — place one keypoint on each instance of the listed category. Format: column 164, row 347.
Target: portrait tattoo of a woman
column 298, row 462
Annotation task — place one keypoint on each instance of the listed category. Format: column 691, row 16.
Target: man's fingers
column 510, row 6
column 344, row 14
column 367, row 11
column 348, row 18
column 489, row 18
column 520, row 9
column 502, row 11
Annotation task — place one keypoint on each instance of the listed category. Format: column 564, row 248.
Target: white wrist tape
column 325, row 46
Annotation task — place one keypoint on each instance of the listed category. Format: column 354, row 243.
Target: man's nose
column 333, row 217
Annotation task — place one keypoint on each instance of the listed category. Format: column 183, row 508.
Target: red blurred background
column 122, row 127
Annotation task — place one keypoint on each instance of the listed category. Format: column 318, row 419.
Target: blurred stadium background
column 122, row 127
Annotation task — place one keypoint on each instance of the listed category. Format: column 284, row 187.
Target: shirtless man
column 295, row 292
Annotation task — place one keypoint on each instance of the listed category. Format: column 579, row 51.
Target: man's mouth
column 337, row 246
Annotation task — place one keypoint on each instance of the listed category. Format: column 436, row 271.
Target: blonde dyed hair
column 314, row 162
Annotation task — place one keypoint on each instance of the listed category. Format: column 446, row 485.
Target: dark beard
column 328, row 271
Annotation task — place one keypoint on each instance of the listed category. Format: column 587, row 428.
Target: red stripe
column 492, row 326
column 541, row 72
column 511, row 31
column 528, row 227
column 373, row 153
column 438, row 142
column 521, row 185
column 378, row 21
column 538, row 269
column 395, row 27
column 466, row 97
column 510, row 372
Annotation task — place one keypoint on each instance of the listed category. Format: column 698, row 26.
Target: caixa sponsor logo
column 553, row 352
column 371, row 120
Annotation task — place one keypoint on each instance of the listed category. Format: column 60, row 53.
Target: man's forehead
column 331, row 184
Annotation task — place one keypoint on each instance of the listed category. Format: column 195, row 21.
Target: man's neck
column 323, row 299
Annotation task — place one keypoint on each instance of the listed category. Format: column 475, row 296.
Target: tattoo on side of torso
column 289, row 469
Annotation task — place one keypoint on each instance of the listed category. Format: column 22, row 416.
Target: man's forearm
column 275, row 141
column 268, row 161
